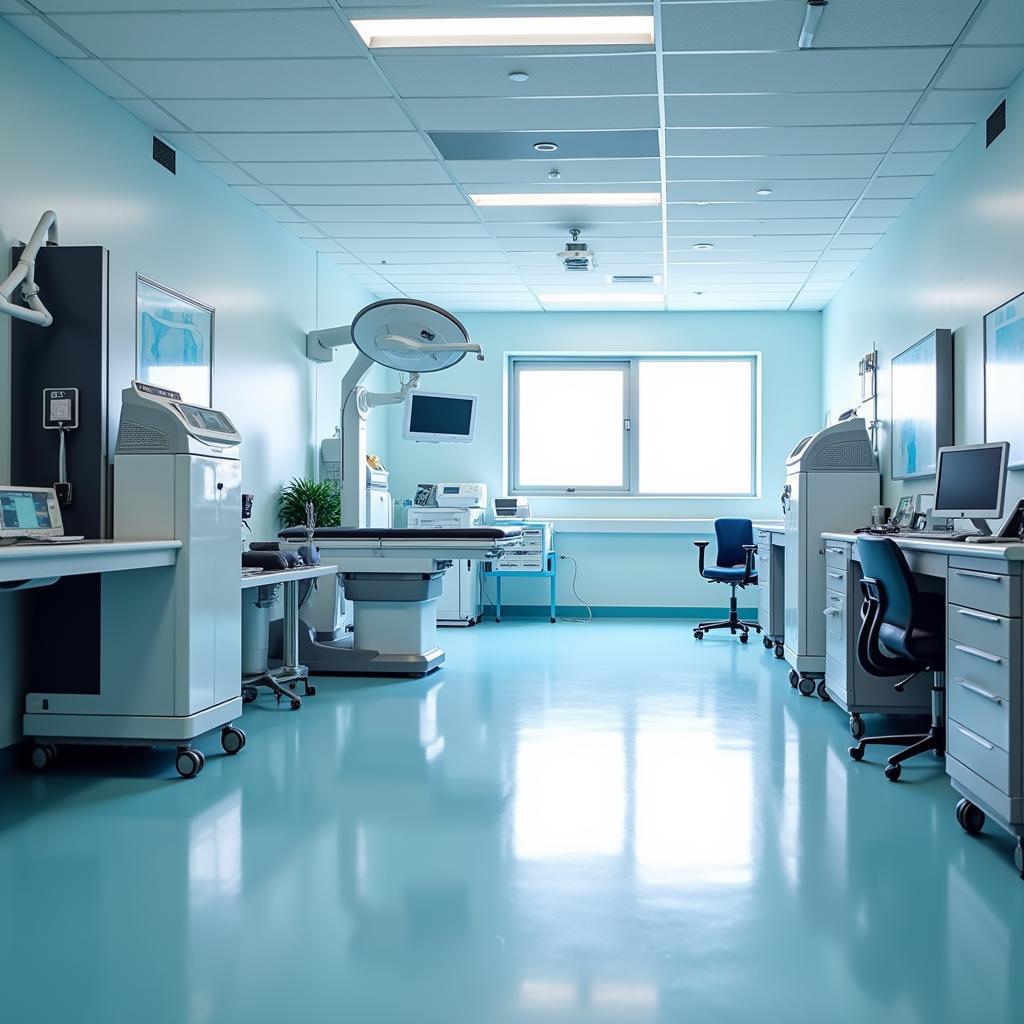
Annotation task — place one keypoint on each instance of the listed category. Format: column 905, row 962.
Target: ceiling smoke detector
column 576, row 257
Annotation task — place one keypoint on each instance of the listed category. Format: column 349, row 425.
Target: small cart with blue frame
column 535, row 560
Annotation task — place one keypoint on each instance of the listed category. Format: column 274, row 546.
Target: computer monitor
column 971, row 481
column 29, row 512
column 438, row 418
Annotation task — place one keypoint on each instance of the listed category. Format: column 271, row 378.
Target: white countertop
column 624, row 524
column 770, row 525
column 49, row 561
column 1000, row 552
column 303, row 572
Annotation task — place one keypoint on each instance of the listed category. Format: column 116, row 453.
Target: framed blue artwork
column 921, row 383
column 174, row 342
column 1004, row 377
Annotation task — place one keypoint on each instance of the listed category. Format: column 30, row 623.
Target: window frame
column 632, row 421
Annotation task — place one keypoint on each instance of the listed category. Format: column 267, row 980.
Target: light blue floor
column 595, row 823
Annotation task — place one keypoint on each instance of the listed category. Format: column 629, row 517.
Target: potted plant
column 324, row 495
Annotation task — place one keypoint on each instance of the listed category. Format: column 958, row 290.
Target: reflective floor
column 569, row 823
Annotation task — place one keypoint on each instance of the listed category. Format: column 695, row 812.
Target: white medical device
column 461, row 495
column 510, row 508
column 459, row 604
column 832, row 484
column 171, row 645
column 30, row 513
column 436, row 418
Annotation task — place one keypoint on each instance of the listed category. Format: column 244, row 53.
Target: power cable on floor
column 576, row 593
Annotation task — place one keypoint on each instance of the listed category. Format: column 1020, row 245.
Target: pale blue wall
column 71, row 149
column 953, row 255
column 625, row 569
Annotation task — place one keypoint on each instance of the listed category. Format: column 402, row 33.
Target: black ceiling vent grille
column 995, row 124
column 164, row 155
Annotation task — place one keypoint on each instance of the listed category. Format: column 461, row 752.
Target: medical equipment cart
column 533, row 557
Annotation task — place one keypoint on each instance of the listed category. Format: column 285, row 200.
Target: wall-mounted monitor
column 439, row 418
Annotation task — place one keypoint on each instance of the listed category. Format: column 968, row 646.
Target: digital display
column 434, row 414
column 206, row 419
column 25, row 510
column 152, row 389
column 451, row 490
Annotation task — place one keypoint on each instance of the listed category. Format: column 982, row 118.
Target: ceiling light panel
column 561, row 199
column 384, row 33
column 601, row 298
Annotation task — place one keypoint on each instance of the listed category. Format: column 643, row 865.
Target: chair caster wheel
column 856, row 726
column 766, row 643
column 310, row 690
column 822, row 692
column 296, row 703
column 856, row 754
column 249, row 694
column 806, row 686
column 893, row 772
column 232, row 739
column 189, row 763
column 744, row 638
column 698, row 634
column 969, row 817
column 794, row 678
column 43, row 756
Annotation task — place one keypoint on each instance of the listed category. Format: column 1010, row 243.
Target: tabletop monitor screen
column 440, row 417
column 971, row 481
column 25, row 510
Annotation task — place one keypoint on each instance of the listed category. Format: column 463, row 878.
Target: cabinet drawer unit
column 835, row 579
column 984, row 712
column 981, row 668
column 837, row 554
column 973, row 584
column 986, row 631
column 981, row 755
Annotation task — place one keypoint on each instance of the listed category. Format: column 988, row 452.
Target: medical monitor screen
column 206, row 419
column 440, row 417
column 971, row 480
column 24, row 510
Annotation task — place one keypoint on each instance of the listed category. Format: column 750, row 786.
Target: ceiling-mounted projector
column 576, row 257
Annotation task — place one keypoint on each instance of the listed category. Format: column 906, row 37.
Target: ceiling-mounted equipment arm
column 24, row 274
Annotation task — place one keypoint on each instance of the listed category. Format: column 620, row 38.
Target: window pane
column 569, row 425
column 696, row 429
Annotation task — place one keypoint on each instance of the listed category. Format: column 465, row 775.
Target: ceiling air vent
column 995, row 124
column 164, row 155
column 632, row 279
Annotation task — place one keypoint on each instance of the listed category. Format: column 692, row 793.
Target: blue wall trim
column 575, row 611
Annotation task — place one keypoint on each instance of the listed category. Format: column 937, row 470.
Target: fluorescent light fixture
column 380, row 33
column 812, row 15
column 567, row 198
column 599, row 298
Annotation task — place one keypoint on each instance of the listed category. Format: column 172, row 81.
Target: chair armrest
column 701, row 546
column 748, row 567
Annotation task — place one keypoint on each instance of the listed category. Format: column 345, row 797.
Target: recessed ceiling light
column 566, row 31
column 567, row 199
column 554, row 174
column 518, row 76
column 603, row 298
column 545, row 147
column 704, row 246
column 763, row 192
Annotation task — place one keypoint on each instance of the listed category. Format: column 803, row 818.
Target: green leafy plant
column 325, row 496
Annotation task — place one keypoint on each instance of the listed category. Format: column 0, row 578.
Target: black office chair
column 735, row 566
column 903, row 632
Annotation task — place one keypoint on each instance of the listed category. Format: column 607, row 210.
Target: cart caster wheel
column 806, row 686
column 249, row 694
column 698, row 634
column 822, row 692
column 232, row 739
column 856, row 726
column 969, row 817
column 43, row 756
column 1018, row 858
column 189, row 763
column 497, row 619
column 310, row 690
column 893, row 772
column 554, row 620
column 744, row 638
column 291, row 685
column 780, row 651
column 794, row 678
column 767, row 643
column 296, row 703
column 856, row 753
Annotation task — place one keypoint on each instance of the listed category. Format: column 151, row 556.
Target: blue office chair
column 903, row 632
column 735, row 566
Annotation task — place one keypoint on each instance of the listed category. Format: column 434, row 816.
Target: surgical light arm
column 24, row 274
column 320, row 345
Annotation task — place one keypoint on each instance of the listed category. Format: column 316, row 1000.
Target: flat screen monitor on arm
column 971, row 482
column 438, row 418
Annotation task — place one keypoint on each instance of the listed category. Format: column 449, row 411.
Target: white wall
column 70, row 148
column 953, row 255
column 623, row 570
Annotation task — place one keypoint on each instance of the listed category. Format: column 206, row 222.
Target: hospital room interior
column 512, row 511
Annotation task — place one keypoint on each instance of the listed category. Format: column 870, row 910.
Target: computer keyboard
column 936, row 535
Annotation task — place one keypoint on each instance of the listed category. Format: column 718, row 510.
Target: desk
column 291, row 671
column 41, row 563
column 984, row 587
column 771, row 584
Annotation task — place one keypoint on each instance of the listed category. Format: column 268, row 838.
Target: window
column 683, row 425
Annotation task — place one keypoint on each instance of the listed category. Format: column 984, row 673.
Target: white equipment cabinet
column 832, row 483
column 460, row 594
column 171, row 639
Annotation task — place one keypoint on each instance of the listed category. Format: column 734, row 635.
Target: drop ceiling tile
column 131, row 6
column 11, row 7
column 549, row 246
column 371, row 195
column 323, row 244
column 313, row 77
column 455, row 255
column 756, row 25
column 607, row 113
column 41, row 32
column 680, row 241
column 903, row 187
column 779, row 141
column 592, row 231
column 1002, row 21
column 258, row 194
column 193, row 145
column 846, row 240
column 196, row 34
column 930, row 138
column 149, row 113
column 569, row 215
column 278, row 146
column 888, row 208
column 957, row 106
column 394, row 250
column 284, row 214
column 879, row 23
column 912, row 163
column 983, row 67
column 96, row 73
column 302, row 230
column 440, row 231
column 789, row 110
column 386, row 213
column 571, row 145
column 358, row 172
column 761, row 211
column 749, row 168
column 864, row 225
column 802, row 71
column 571, row 172
column 501, row 273
column 230, row 173
column 782, row 190
column 680, row 264
column 417, row 75
column 290, row 115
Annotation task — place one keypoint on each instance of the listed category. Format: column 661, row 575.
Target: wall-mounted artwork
column 174, row 342
column 922, row 405
column 1004, row 377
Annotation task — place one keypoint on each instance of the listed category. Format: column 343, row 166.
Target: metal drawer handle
column 974, row 574
column 836, row 551
column 837, row 575
column 994, row 697
column 831, row 611
column 971, row 614
column 977, row 739
column 964, row 649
